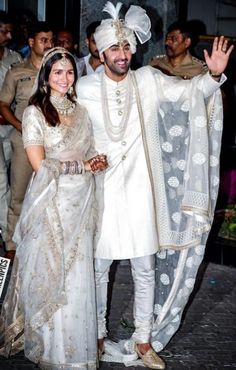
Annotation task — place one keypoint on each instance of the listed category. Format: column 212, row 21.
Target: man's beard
column 116, row 70
column 95, row 54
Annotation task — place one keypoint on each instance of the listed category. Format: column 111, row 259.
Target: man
column 154, row 201
column 178, row 60
column 91, row 63
column 7, row 59
column 17, row 87
column 65, row 39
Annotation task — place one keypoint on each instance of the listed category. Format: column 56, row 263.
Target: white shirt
column 83, row 63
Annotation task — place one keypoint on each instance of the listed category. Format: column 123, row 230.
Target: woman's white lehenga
column 51, row 294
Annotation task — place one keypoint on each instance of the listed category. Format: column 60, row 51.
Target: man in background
column 91, row 63
column 178, row 60
column 65, row 39
column 17, row 87
column 8, row 58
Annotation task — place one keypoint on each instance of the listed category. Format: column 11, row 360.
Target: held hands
column 218, row 60
column 97, row 163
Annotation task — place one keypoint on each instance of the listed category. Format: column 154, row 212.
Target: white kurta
column 127, row 229
column 182, row 123
column 128, row 222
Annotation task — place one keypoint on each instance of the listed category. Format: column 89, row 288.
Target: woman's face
column 61, row 78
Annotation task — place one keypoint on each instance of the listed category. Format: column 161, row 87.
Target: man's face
column 117, row 61
column 41, row 43
column 91, row 44
column 176, row 43
column 5, row 33
column 65, row 40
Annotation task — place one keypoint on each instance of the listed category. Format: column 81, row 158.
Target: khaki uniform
column 9, row 59
column 17, row 87
column 189, row 67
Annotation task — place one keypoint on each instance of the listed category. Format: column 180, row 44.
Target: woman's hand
column 97, row 163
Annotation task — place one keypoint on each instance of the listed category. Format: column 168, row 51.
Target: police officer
column 178, row 60
column 8, row 58
column 17, row 87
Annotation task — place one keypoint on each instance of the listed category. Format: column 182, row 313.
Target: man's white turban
column 115, row 31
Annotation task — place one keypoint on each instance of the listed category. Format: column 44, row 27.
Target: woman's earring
column 43, row 89
column 70, row 90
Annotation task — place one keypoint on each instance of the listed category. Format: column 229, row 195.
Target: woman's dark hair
column 41, row 98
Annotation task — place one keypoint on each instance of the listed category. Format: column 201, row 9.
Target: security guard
column 178, row 61
column 8, row 58
column 17, row 87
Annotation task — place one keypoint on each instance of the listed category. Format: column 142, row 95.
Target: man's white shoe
column 151, row 359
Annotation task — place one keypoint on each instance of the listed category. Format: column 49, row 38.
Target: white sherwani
column 128, row 223
column 161, row 187
column 128, row 228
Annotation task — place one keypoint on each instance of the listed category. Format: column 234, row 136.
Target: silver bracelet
column 82, row 168
column 65, row 167
column 73, row 168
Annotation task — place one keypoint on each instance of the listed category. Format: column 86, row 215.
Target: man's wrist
column 215, row 75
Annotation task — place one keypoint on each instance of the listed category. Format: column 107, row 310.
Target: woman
column 51, row 293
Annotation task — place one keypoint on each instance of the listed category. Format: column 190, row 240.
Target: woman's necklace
column 63, row 105
column 116, row 132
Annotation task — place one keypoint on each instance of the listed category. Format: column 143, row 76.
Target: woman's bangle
column 82, row 168
column 65, row 167
column 73, row 168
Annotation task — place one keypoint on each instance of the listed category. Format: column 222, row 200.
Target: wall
column 161, row 12
column 219, row 16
